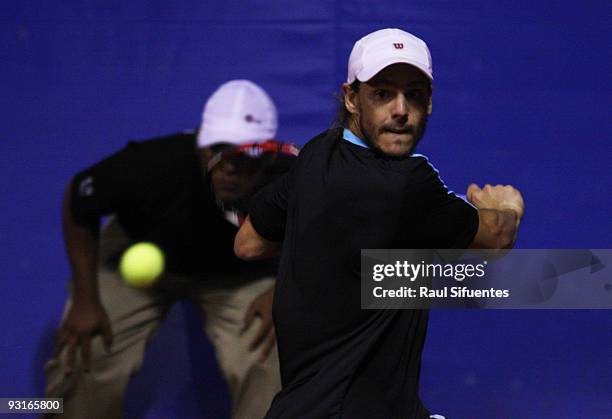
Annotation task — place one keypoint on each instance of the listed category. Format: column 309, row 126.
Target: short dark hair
column 342, row 114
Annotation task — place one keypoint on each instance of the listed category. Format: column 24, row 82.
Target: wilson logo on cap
column 398, row 45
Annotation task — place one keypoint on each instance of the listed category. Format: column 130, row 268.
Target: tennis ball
column 141, row 264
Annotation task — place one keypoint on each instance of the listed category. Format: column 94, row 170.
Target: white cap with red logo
column 384, row 47
column 238, row 112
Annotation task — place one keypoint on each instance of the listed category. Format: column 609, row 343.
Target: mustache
column 398, row 129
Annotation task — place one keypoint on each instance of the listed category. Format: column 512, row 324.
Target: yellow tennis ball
column 142, row 264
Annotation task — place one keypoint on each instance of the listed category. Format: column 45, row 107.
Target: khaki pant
column 135, row 315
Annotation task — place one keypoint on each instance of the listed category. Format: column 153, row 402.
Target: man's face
column 390, row 110
column 231, row 178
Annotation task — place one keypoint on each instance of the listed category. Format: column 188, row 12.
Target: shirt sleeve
column 108, row 186
column 451, row 222
column 269, row 210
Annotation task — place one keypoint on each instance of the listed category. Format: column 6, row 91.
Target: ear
column 429, row 105
column 351, row 99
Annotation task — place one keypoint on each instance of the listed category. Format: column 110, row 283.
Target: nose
column 228, row 167
column 400, row 106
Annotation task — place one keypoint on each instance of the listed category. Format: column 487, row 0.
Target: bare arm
column 86, row 317
column 82, row 247
column 250, row 245
column 500, row 209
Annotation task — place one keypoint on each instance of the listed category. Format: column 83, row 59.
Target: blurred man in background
column 173, row 191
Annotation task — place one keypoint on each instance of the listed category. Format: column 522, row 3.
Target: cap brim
column 231, row 132
column 367, row 73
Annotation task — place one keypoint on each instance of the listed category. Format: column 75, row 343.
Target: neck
column 353, row 126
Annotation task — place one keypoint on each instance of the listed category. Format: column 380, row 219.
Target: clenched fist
column 498, row 197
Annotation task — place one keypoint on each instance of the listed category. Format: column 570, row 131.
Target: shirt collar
column 352, row 138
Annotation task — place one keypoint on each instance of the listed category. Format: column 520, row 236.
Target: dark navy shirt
column 337, row 360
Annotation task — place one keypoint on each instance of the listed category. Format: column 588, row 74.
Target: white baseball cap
column 238, row 112
column 384, row 47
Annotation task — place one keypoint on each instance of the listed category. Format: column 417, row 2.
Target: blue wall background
column 521, row 96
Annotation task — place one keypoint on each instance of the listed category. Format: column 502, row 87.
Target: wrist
column 512, row 217
column 86, row 296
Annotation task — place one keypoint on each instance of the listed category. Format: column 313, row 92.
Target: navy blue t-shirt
column 337, row 360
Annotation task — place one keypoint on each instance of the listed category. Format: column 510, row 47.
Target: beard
column 417, row 131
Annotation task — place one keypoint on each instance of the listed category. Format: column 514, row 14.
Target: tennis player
column 362, row 186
